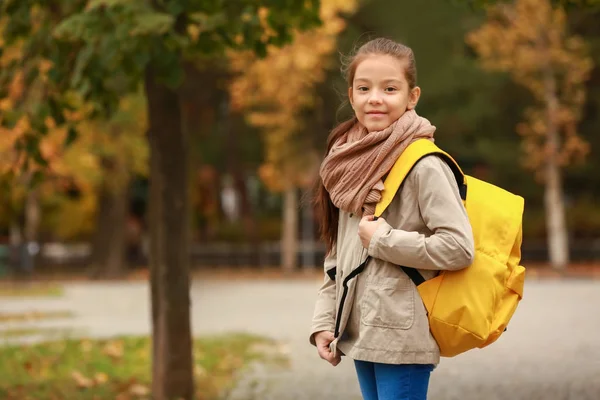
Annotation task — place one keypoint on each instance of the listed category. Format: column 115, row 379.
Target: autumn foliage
column 273, row 92
column 530, row 40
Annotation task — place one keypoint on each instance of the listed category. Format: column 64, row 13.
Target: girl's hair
column 326, row 213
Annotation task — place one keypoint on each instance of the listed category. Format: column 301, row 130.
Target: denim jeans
column 392, row 381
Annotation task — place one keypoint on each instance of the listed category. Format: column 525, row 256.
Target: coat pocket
column 388, row 303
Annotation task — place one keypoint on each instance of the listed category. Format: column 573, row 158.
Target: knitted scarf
column 353, row 170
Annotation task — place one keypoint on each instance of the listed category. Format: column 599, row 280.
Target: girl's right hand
column 322, row 340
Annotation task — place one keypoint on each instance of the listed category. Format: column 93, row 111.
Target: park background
column 174, row 141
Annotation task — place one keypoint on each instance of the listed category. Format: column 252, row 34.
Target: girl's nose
column 375, row 98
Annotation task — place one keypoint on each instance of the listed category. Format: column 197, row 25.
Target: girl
column 376, row 317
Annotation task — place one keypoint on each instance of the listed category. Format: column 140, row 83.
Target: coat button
column 351, row 215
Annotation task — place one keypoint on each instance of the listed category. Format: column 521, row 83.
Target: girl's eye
column 362, row 88
column 390, row 89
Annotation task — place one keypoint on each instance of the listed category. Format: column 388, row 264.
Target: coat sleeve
column 451, row 245
column 324, row 313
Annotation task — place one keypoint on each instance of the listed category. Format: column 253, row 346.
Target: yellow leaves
column 529, row 39
column 139, row 390
column 74, row 116
column 274, row 92
column 81, row 380
column 86, row 345
column 12, row 53
column 263, row 13
column 114, row 349
column 271, row 176
column 22, row 126
column 79, row 166
column 100, row 378
column 200, row 371
column 49, row 123
column 194, row 32
column 10, row 160
column 16, row 86
column 6, row 104
column 238, row 39
column 8, row 137
column 44, row 66
column 51, row 145
column 574, row 148
column 36, row 15
column 130, row 388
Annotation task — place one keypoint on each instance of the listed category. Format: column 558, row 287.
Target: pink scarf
column 352, row 172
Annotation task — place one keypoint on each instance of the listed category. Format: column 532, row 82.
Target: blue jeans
column 393, row 381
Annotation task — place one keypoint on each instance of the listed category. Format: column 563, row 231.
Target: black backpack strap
column 414, row 275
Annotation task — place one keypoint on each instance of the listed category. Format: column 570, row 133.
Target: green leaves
column 100, row 4
column 76, row 27
column 152, row 23
column 97, row 51
column 485, row 3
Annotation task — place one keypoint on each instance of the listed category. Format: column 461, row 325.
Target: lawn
column 119, row 369
column 30, row 290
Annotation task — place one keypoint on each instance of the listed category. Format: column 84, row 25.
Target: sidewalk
column 551, row 350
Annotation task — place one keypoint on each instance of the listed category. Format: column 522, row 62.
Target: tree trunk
column 558, row 241
column 231, row 125
column 308, row 234
column 172, row 376
column 290, row 230
column 108, row 252
column 15, row 239
column 31, row 229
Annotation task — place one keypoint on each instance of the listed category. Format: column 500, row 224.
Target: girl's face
column 380, row 93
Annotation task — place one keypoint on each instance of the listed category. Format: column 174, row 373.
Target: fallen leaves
column 127, row 389
column 114, row 349
column 81, row 380
column 119, row 368
column 139, row 390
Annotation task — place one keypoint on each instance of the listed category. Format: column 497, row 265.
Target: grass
column 13, row 333
column 30, row 290
column 119, row 368
column 33, row 316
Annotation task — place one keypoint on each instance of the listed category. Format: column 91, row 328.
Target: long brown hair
column 326, row 212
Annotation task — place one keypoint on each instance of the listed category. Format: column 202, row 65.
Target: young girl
column 376, row 317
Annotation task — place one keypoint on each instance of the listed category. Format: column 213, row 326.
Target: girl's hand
column 367, row 227
column 322, row 340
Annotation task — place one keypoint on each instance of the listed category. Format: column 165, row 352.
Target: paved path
column 551, row 350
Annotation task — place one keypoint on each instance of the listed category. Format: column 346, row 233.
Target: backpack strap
column 414, row 153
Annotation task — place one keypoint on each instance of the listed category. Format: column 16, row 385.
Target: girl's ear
column 414, row 96
column 350, row 97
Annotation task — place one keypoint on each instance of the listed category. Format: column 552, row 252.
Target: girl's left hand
column 367, row 227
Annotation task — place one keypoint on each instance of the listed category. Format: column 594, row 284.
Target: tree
column 529, row 40
column 118, row 150
column 485, row 3
column 112, row 147
column 115, row 46
column 275, row 94
column 30, row 120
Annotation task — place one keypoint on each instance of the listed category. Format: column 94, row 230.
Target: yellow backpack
column 471, row 307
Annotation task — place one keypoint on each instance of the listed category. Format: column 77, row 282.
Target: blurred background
column 256, row 130
column 181, row 136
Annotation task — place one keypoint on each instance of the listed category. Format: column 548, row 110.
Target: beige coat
column 380, row 316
